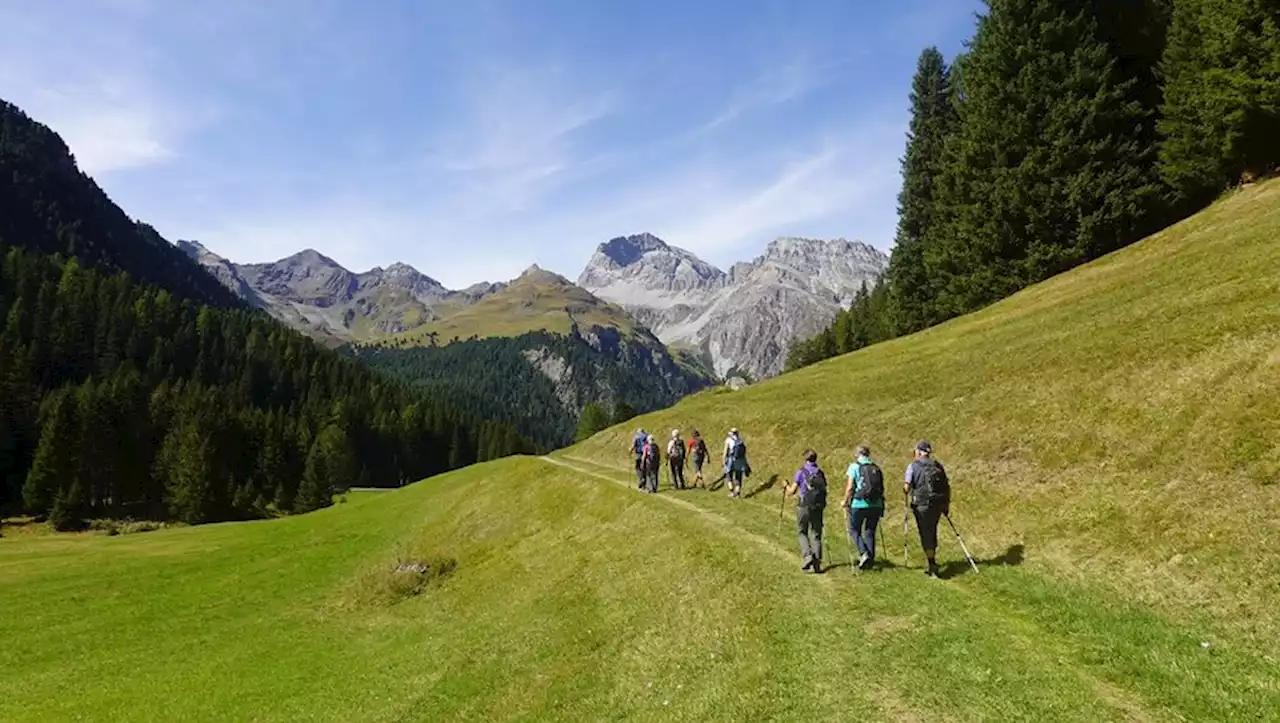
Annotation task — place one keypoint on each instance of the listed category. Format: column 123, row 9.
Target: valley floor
column 576, row 598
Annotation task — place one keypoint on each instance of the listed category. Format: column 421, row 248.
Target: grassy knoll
column 536, row 301
column 1113, row 438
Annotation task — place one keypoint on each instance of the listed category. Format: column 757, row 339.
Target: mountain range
column 737, row 322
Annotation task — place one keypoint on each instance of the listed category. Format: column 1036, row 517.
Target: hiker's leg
column 927, row 521
column 815, row 524
column 802, row 532
column 873, row 521
column 856, row 520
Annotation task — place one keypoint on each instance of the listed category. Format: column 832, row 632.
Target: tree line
column 1063, row 132
column 503, row 380
column 122, row 399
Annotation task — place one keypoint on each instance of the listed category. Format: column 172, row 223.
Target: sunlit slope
column 1112, row 434
column 575, row 598
column 1122, row 420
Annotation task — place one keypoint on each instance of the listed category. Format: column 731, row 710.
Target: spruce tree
column 1048, row 168
column 594, row 418
column 933, row 121
column 1221, row 98
column 54, row 466
column 330, row 469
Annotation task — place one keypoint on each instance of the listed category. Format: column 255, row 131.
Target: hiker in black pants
column 675, row 459
column 652, row 463
column 810, row 487
column 930, row 494
column 698, row 454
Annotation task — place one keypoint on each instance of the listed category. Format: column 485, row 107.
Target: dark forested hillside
column 121, row 399
column 1064, row 132
column 47, row 204
column 132, row 383
column 510, row 380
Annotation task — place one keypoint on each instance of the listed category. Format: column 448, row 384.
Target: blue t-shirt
column 854, row 474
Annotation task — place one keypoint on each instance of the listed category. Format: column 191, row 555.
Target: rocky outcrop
column 314, row 294
column 742, row 320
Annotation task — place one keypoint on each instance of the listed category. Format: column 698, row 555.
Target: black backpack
column 739, row 449
column 699, row 450
column 870, row 483
column 929, row 483
column 815, row 493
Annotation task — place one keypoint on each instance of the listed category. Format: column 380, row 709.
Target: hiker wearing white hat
column 675, row 460
column 735, row 462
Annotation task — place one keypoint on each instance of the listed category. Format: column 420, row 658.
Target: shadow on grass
column 763, row 487
column 1012, row 557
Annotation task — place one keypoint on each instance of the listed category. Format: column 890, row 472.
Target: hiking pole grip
column 962, row 545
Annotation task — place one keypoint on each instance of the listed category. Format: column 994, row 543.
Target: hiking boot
column 863, row 561
column 932, row 570
column 808, row 564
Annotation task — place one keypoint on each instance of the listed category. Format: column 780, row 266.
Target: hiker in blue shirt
column 637, row 450
column 864, row 504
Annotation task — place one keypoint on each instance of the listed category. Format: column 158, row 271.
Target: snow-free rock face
column 745, row 319
column 314, row 294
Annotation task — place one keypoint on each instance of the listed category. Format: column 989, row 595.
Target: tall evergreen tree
column 54, row 466
column 594, row 418
column 1049, row 168
column 933, row 121
column 330, row 469
column 1221, row 96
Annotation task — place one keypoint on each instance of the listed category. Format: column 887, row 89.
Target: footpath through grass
column 1114, row 443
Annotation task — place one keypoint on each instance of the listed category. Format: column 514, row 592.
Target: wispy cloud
column 515, row 136
column 778, row 84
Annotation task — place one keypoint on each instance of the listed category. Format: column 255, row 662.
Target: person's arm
column 848, row 489
column 794, row 487
column 906, row 486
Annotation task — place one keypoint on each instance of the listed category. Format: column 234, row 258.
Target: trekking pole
column 906, row 508
column 848, row 535
column 962, row 545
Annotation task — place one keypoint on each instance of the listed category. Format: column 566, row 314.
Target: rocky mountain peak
column 627, row 250
column 745, row 319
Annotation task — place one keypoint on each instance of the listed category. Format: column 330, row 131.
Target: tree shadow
column 1012, row 557
column 763, row 487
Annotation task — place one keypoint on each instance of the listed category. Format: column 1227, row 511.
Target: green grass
column 1112, row 435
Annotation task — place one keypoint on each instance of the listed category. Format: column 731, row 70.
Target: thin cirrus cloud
column 471, row 140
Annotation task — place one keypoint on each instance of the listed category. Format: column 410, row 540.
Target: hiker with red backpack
column 698, row 455
column 929, row 493
column 864, row 504
column 810, row 490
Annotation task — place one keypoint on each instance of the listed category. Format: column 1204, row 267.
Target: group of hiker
column 648, row 460
column 926, row 492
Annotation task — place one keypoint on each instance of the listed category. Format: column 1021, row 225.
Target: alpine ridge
column 745, row 319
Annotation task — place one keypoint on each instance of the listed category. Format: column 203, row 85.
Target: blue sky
column 471, row 139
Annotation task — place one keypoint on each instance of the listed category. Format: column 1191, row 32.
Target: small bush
column 408, row 576
column 127, row 526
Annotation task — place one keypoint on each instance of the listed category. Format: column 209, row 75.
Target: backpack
column 698, row 448
column 676, row 450
column 815, row 491
column 870, row 483
column 637, row 444
column 929, row 483
column 739, row 449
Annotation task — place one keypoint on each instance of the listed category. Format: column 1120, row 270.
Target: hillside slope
column 1111, row 434
column 48, row 205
